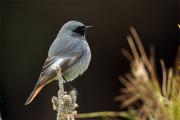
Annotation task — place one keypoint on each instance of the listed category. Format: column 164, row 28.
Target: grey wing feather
column 49, row 61
column 47, row 73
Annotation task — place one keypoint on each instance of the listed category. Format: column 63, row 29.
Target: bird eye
column 79, row 30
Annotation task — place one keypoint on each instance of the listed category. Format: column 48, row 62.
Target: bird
column 70, row 51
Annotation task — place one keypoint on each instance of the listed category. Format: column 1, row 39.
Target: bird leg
column 72, row 88
column 68, row 83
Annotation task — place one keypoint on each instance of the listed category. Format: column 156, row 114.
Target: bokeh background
column 28, row 27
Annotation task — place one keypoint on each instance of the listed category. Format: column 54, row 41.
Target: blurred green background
column 28, row 27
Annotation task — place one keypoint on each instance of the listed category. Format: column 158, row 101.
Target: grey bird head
column 74, row 28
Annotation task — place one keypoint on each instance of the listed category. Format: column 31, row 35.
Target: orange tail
column 33, row 94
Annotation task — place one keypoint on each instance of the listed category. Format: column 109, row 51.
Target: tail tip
column 26, row 103
column 33, row 95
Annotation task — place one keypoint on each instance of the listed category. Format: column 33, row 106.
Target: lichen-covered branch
column 65, row 104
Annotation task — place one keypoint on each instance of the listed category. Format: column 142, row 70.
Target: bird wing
column 49, row 68
column 63, row 53
column 47, row 73
column 47, row 64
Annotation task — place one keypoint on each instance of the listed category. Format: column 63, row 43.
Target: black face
column 80, row 30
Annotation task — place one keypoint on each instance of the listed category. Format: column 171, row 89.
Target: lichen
column 65, row 103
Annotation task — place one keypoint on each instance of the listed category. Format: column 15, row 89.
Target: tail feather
column 33, row 94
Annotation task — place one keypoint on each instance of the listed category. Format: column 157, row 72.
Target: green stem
column 103, row 114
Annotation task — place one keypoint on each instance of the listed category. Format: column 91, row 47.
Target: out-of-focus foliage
column 143, row 94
